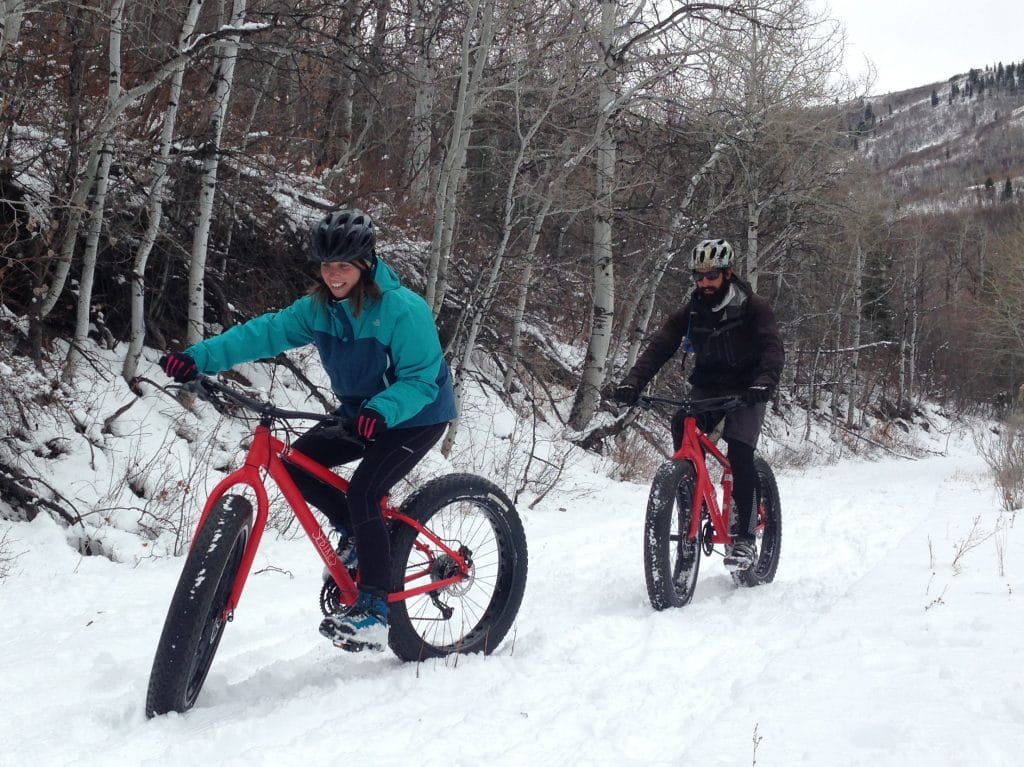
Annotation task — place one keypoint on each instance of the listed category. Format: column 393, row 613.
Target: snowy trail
column 836, row 663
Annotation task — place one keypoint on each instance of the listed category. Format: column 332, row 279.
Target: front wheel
column 195, row 620
column 769, row 536
column 475, row 518
column 671, row 556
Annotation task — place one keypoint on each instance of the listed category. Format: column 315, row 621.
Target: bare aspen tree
column 12, row 12
column 348, row 65
column 99, row 198
column 224, row 74
column 155, row 203
column 424, row 20
column 765, row 73
column 475, row 48
column 857, row 323
column 603, row 297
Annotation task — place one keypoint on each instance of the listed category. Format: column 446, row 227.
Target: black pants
column 741, row 432
column 384, row 462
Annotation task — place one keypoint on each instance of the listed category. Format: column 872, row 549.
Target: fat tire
column 462, row 510
column 193, row 628
column 671, row 563
column 769, row 543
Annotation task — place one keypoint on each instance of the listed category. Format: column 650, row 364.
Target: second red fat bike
column 686, row 516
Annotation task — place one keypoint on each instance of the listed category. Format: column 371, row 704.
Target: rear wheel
column 769, row 536
column 195, row 621
column 475, row 518
column 671, row 557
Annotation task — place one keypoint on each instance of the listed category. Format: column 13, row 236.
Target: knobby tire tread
column 500, row 614
column 208, row 575
column 671, row 499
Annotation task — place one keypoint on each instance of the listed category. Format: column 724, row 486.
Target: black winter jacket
column 736, row 342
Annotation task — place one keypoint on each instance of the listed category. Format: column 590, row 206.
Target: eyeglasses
column 710, row 274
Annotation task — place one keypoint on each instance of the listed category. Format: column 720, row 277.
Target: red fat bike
column 458, row 559
column 685, row 518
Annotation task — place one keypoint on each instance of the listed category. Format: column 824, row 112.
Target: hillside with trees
column 539, row 172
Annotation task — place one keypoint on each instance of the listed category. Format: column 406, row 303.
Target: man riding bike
column 738, row 350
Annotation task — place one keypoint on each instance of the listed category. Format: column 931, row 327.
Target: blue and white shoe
column 364, row 626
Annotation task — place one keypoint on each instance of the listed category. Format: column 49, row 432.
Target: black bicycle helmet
column 344, row 235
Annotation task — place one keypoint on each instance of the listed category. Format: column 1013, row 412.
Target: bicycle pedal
column 348, row 645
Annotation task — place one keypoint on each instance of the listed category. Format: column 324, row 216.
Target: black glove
column 627, row 394
column 757, row 394
column 178, row 366
column 370, row 424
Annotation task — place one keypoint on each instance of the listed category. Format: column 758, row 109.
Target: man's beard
column 714, row 297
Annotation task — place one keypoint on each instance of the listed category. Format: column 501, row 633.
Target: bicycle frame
column 267, row 455
column 696, row 447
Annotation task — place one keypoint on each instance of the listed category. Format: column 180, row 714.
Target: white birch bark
column 473, row 55
column 417, row 170
column 155, row 205
column 753, row 223
column 603, row 299
column 224, row 79
column 99, row 199
column 346, row 69
column 12, row 12
column 855, row 330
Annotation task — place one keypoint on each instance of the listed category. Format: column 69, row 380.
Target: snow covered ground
column 891, row 636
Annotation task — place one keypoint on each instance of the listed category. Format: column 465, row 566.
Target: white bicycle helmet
column 711, row 254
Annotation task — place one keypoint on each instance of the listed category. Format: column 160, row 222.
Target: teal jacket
column 388, row 359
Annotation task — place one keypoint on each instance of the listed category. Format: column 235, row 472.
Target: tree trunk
column 155, row 206
column 223, row 79
column 12, row 12
column 474, row 54
column 417, row 169
column 588, row 394
column 347, row 68
column 855, row 331
column 480, row 308
column 753, row 225
column 99, row 199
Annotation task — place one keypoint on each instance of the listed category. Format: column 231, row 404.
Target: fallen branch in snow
column 870, row 441
column 14, row 484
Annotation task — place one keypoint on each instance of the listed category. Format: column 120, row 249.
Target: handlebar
column 694, row 406
column 209, row 390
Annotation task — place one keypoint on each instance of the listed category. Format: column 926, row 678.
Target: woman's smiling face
column 340, row 277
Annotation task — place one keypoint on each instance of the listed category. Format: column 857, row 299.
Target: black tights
column 744, row 475
column 384, row 462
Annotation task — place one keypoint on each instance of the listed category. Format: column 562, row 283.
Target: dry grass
column 1002, row 448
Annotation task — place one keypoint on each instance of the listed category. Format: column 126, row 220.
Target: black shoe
column 741, row 555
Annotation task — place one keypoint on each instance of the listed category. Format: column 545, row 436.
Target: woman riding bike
column 379, row 346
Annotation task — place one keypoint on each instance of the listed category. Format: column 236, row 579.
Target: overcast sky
column 918, row 42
